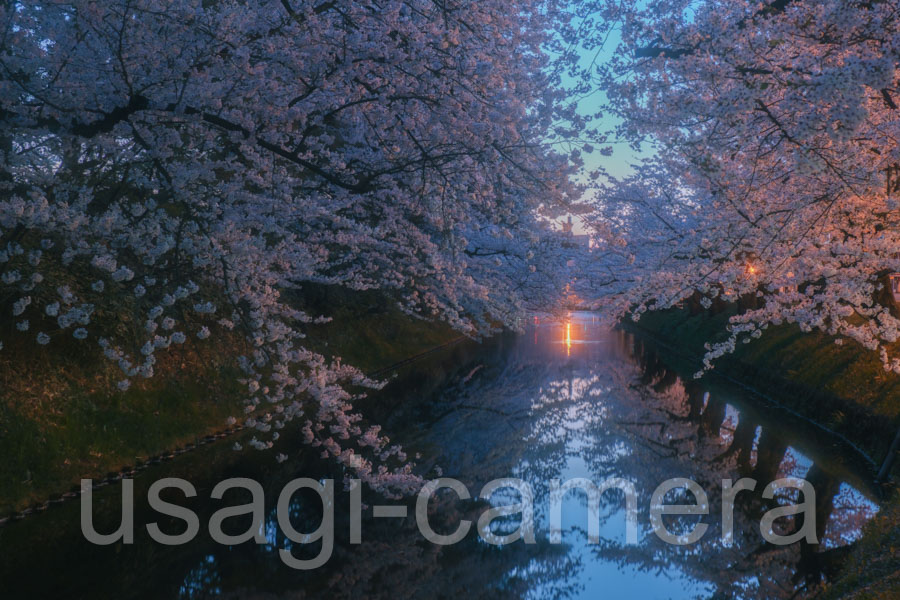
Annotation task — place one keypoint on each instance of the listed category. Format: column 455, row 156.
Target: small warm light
column 751, row 269
column 568, row 339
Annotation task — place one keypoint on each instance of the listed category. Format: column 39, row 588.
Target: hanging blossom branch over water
column 774, row 125
column 170, row 169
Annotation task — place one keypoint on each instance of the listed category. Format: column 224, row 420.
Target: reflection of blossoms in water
column 656, row 428
column 794, row 464
column 851, row 511
column 202, row 581
column 537, row 413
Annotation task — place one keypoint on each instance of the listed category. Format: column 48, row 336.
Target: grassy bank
column 62, row 417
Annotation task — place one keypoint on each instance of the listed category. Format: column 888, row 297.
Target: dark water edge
column 532, row 406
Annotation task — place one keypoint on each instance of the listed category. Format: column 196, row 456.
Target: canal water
column 565, row 400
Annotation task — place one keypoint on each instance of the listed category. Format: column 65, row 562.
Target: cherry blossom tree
column 179, row 165
column 774, row 125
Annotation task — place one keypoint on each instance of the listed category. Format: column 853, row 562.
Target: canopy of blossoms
column 178, row 165
column 775, row 125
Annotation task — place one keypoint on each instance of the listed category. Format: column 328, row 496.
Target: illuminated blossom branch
column 774, row 125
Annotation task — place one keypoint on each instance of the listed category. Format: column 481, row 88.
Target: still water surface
column 564, row 400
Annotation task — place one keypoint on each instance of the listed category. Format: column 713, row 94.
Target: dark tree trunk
column 712, row 418
column 769, row 454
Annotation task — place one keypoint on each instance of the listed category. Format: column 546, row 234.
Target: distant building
column 583, row 240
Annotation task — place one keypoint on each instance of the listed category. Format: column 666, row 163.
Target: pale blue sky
column 619, row 164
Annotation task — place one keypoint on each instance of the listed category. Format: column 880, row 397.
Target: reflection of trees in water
column 709, row 451
column 529, row 413
column 395, row 562
column 536, row 414
column 484, row 412
column 640, row 421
